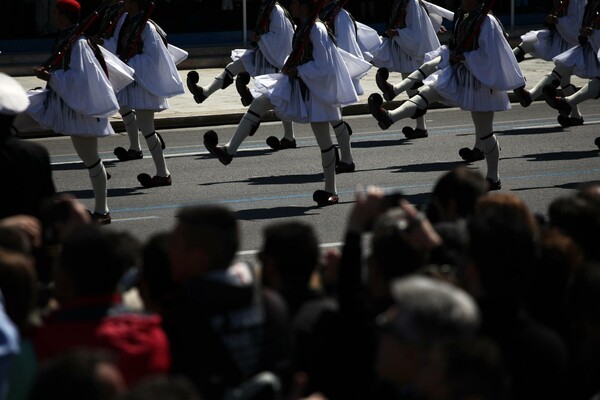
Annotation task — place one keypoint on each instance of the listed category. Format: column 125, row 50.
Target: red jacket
column 137, row 340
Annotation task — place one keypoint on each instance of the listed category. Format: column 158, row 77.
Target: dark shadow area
column 561, row 156
column 567, row 186
column 430, row 167
column 240, row 154
column 531, row 131
column 380, row 143
column 276, row 212
column 285, row 179
column 275, row 180
column 120, row 192
column 79, row 166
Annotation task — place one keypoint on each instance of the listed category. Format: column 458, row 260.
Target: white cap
column 13, row 99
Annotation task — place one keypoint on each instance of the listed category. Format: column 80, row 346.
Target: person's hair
column 6, row 123
column 72, row 15
column 583, row 296
column 475, row 368
column 426, row 311
column 163, row 388
column 73, row 375
column 18, row 284
column 156, row 273
column 312, row 4
column 15, row 240
column 96, row 258
column 503, row 243
column 391, row 253
column 579, row 218
column 461, row 186
column 294, row 248
column 213, row 229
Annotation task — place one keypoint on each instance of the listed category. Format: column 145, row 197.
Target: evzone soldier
column 409, row 35
column 345, row 31
column 476, row 70
column 582, row 61
column 79, row 97
column 312, row 87
column 272, row 43
column 563, row 23
column 142, row 44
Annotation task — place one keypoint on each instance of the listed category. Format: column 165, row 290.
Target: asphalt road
column 539, row 161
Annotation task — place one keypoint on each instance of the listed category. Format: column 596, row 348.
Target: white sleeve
column 276, row 44
column 494, row 63
column 84, row 86
column 418, row 37
column 345, row 34
column 154, row 67
column 569, row 25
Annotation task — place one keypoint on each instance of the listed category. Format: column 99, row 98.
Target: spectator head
column 392, row 256
column 156, row 282
column 18, row 285
column 13, row 100
column 425, row 312
column 503, row 235
column 70, row 10
column 93, row 260
column 163, row 388
column 79, row 374
column 455, row 194
column 16, row 240
column 462, row 369
column 205, row 239
column 289, row 255
column 579, row 218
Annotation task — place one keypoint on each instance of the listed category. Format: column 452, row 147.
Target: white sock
column 321, row 132
column 409, row 108
column 288, row 130
column 588, row 92
column 421, row 120
column 343, row 139
column 232, row 69
column 549, row 79
column 250, row 121
column 484, row 131
column 99, row 182
column 146, row 122
column 87, row 150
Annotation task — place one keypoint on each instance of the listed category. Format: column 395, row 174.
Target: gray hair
column 427, row 311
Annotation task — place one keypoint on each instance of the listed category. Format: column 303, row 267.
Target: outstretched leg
column 522, row 49
column 414, row 107
column 412, row 81
column 247, row 127
column 567, row 104
column 223, row 80
column 420, row 131
column 484, row 130
column 87, row 150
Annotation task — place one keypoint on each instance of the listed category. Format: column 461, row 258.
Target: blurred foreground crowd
column 471, row 296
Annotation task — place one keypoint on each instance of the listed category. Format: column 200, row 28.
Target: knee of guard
column 227, row 80
column 254, row 128
column 489, row 143
column 595, row 86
